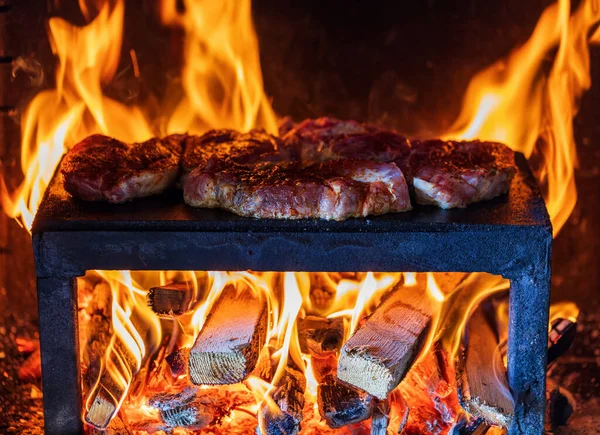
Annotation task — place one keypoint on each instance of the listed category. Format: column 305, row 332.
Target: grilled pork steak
column 310, row 139
column 319, row 168
column 443, row 173
column 332, row 190
column 232, row 147
column 455, row 174
column 102, row 168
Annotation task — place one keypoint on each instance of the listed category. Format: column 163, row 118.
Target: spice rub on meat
column 324, row 167
column 455, row 174
column 101, row 168
column 230, row 146
column 332, row 190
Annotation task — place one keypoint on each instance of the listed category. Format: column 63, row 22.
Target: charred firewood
column 184, row 409
column 322, row 291
column 194, row 408
column 31, row 369
column 560, row 406
column 283, row 415
column 319, row 335
column 381, row 418
column 481, row 378
column 340, row 404
column 173, row 300
column 178, row 361
column 116, row 427
column 227, row 348
column 100, row 331
column 560, row 338
column 381, row 351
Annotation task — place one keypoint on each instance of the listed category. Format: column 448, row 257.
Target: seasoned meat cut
column 332, row 190
column 324, row 168
column 101, row 168
column 455, row 174
column 310, row 139
column 232, row 147
column 444, row 173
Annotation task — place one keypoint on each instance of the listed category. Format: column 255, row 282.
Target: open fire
column 231, row 351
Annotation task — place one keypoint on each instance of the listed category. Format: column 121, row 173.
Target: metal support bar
column 527, row 348
column 60, row 350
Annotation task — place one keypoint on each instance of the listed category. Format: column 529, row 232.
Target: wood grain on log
column 102, row 409
column 173, row 300
column 381, row 351
column 228, row 346
column 481, row 377
column 184, row 409
column 289, row 398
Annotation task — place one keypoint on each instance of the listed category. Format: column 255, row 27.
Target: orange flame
column 221, row 75
column 56, row 119
column 517, row 100
column 222, row 81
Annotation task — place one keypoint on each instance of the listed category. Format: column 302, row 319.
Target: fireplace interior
column 126, row 294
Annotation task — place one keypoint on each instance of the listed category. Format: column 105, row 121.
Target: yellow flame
column 56, row 119
column 222, row 78
column 433, row 288
column 564, row 310
column 285, row 330
column 222, row 83
column 517, row 100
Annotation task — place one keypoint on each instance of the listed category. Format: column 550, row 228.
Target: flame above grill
column 517, row 100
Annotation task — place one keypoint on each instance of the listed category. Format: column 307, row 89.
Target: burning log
column 380, row 353
column 285, row 418
column 322, row 291
column 341, row 405
column 116, row 427
column 228, row 346
column 381, row 418
column 172, row 300
column 31, row 369
column 100, row 332
column 318, row 335
column 481, row 378
column 184, row 409
column 561, row 337
column 560, row 406
column 399, row 412
column 178, row 361
column 108, row 393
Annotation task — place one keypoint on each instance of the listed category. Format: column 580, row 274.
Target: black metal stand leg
column 527, row 349
column 60, row 355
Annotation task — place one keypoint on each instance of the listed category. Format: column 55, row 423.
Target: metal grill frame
column 509, row 236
